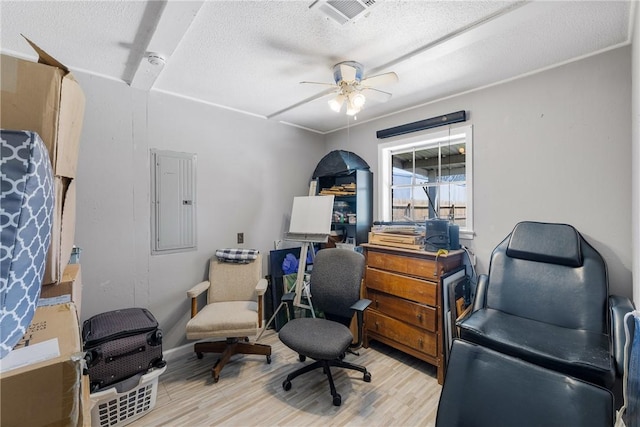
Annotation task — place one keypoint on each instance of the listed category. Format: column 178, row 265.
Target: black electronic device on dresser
column 441, row 234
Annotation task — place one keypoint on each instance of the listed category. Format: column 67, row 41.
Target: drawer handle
column 420, row 342
column 377, row 303
column 419, row 316
column 377, row 325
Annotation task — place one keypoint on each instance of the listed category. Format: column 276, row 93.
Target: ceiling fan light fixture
column 358, row 100
column 352, row 110
column 336, row 103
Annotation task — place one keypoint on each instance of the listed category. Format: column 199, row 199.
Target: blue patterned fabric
column 26, row 216
column 240, row 256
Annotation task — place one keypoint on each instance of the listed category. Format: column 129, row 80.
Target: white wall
column 553, row 146
column 635, row 121
column 248, row 171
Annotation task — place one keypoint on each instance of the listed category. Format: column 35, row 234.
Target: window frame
column 428, row 139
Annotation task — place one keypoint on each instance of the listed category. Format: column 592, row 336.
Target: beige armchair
column 234, row 311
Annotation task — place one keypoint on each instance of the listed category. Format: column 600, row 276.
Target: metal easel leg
column 282, row 304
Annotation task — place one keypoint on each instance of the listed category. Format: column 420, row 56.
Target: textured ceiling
column 250, row 56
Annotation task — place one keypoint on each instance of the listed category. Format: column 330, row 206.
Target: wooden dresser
column 405, row 292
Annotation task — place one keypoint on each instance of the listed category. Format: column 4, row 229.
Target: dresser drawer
column 413, row 266
column 419, row 315
column 418, row 339
column 405, row 287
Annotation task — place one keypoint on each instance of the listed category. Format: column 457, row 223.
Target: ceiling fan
column 352, row 90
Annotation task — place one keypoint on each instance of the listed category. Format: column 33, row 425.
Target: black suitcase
column 120, row 344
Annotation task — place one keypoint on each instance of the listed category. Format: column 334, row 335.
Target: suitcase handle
column 139, row 349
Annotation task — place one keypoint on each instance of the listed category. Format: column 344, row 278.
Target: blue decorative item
column 26, row 217
column 290, row 264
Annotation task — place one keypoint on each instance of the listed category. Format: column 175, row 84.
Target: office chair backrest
column 548, row 272
column 232, row 281
column 335, row 282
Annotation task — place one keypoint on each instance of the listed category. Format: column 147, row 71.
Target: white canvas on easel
column 310, row 223
column 311, row 215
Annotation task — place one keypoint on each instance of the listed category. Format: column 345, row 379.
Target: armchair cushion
column 577, row 352
column 224, row 319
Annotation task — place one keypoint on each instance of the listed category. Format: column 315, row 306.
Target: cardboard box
column 70, row 284
column 45, row 98
column 62, row 230
column 45, row 392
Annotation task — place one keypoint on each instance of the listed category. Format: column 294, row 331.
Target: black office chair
column 335, row 291
column 546, row 300
column 487, row 388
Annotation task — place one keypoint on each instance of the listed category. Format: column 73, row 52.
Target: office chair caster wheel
column 246, row 339
column 269, row 359
column 302, row 357
column 199, row 355
column 367, row 377
column 286, row 385
column 337, row 400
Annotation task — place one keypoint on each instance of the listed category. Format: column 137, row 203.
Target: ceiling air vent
column 343, row 11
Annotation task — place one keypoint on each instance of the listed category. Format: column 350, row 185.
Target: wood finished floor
column 403, row 392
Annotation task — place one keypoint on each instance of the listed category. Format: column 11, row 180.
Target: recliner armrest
column 480, row 299
column 618, row 307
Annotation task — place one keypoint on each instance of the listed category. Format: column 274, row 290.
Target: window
column 428, row 177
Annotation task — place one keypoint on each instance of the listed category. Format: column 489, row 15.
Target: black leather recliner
column 487, row 388
column 546, row 300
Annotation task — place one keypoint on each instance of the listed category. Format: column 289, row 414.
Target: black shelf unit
column 360, row 204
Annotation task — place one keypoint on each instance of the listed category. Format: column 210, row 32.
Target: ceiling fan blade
column 376, row 94
column 318, row 83
column 380, row 80
column 347, row 72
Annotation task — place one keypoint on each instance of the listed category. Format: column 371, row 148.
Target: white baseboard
column 177, row 352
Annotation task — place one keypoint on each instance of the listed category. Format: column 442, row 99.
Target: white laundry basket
column 111, row 408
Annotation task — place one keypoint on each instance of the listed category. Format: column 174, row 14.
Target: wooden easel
column 310, row 223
